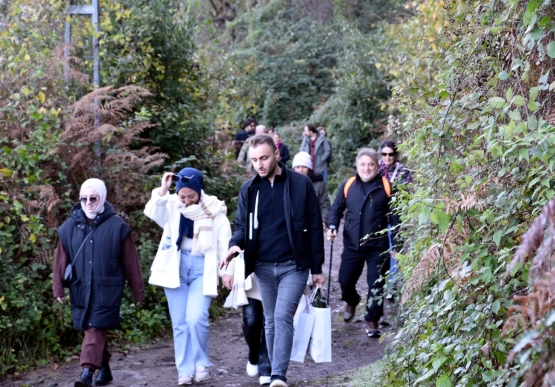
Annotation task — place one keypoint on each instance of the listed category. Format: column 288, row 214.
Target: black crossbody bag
column 67, row 279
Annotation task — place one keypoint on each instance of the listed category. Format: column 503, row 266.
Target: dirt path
column 154, row 366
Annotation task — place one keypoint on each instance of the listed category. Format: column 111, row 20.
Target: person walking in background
column 283, row 149
column 243, row 157
column 253, row 328
column 278, row 225
column 396, row 173
column 302, row 163
column 365, row 200
column 390, row 166
column 247, row 130
column 99, row 245
column 319, row 149
column 194, row 241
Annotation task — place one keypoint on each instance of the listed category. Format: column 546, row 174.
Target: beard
column 271, row 170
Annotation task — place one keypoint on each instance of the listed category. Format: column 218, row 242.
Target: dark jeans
column 281, row 286
column 352, row 264
column 253, row 330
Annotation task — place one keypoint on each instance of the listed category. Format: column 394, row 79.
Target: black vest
column 99, row 276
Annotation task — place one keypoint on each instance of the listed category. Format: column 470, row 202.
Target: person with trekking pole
column 396, row 173
column 365, row 201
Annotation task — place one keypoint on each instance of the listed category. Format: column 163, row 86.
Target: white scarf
column 202, row 213
column 100, row 188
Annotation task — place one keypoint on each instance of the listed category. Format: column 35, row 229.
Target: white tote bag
column 303, row 323
column 237, row 297
column 319, row 347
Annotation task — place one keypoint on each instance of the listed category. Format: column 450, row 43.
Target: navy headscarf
column 191, row 178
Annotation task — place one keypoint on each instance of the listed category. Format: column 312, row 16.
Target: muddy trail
column 154, row 365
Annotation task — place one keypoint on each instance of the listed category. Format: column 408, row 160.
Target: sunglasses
column 92, row 199
column 184, row 179
column 388, row 154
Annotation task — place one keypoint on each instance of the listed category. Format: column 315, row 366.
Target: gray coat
column 321, row 194
column 322, row 153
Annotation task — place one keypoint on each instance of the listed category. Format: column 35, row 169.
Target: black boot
column 104, row 375
column 85, row 380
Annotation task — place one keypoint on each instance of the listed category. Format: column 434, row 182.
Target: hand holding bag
column 237, row 297
column 303, row 323
column 319, row 299
column 319, row 347
column 68, row 277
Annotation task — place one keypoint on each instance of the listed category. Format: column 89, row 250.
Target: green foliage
column 475, row 127
column 151, row 44
column 30, row 123
column 283, row 58
column 48, row 146
column 356, row 113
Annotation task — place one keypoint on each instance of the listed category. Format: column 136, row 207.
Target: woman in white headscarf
column 98, row 245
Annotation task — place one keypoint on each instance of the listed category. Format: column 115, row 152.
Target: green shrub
column 475, row 125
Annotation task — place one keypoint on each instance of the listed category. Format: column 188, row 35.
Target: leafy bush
column 48, row 146
column 286, row 56
column 355, row 114
column 475, row 119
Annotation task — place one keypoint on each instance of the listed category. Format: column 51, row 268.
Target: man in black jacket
column 365, row 239
column 279, row 227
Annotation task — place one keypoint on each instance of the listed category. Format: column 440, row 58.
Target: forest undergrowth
column 476, row 120
column 464, row 86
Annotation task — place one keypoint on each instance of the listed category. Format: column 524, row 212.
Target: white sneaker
column 184, row 379
column 278, row 383
column 201, row 374
column 265, row 380
column 252, row 369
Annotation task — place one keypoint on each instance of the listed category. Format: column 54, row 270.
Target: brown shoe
column 372, row 329
column 349, row 312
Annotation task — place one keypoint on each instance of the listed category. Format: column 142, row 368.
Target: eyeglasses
column 92, row 199
column 184, row 179
column 388, row 154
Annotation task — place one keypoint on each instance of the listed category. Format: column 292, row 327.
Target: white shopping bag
column 319, row 347
column 237, row 297
column 303, row 323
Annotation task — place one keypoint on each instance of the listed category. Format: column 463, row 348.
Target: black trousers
column 352, row 264
column 253, row 330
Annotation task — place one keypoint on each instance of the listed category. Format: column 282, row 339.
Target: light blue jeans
column 281, row 286
column 189, row 314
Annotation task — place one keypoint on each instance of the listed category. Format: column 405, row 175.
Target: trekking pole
column 329, row 274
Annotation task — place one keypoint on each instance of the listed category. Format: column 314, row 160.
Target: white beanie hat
column 302, row 159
